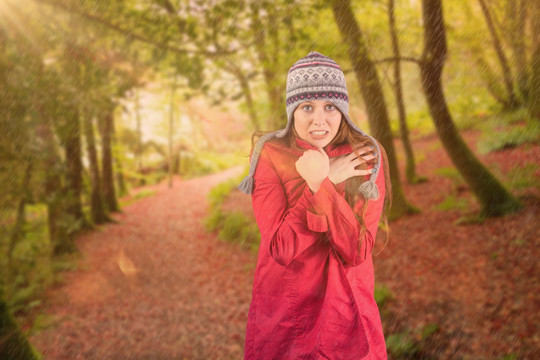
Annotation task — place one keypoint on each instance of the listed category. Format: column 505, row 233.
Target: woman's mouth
column 318, row 133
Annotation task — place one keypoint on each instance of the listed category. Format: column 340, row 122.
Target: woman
column 318, row 194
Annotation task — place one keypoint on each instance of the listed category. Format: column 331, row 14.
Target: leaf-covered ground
column 156, row 286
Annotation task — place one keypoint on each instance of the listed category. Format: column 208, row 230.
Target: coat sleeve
column 288, row 231
column 283, row 229
column 329, row 208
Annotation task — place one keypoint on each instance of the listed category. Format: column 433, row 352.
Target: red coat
column 313, row 287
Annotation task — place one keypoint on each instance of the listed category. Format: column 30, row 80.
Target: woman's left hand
column 345, row 166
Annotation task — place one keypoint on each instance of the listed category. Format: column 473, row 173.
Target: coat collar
column 331, row 150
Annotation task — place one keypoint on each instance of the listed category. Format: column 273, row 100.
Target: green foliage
column 30, row 263
column 509, row 138
column 238, row 228
column 141, row 194
column 203, row 163
column 452, row 202
column 521, row 177
column 508, row 357
column 234, row 227
column 401, row 345
column 412, row 344
column 215, row 220
column 451, row 173
column 144, row 193
column 429, row 330
column 155, row 177
column 382, row 296
column 32, row 269
column 42, row 322
column 231, row 226
column 507, row 130
column 419, row 123
column 219, row 193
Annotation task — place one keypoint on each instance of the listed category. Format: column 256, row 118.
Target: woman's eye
column 330, row 107
column 308, row 107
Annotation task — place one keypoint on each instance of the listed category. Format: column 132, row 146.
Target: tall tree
column 69, row 132
column 71, row 139
column 13, row 343
column 99, row 215
column 170, row 130
column 17, row 232
column 374, row 100
column 533, row 103
column 494, row 199
column 410, row 167
column 59, row 236
column 516, row 17
column 501, row 56
column 106, row 130
column 269, row 64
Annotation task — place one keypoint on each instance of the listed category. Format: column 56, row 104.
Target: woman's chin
column 319, row 143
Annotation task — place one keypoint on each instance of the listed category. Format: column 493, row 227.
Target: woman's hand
column 313, row 166
column 345, row 166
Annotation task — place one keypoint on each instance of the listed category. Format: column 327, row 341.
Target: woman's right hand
column 313, row 166
column 345, row 166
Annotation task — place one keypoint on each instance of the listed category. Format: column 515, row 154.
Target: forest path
column 154, row 285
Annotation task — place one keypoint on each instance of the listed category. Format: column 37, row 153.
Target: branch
column 126, row 32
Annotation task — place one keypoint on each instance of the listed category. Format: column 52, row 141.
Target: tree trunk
column 533, row 103
column 171, row 132
column 246, row 91
column 273, row 89
column 138, row 152
column 491, row 80
column 106, row 123
column 72, row 150
column 494, row 199
column 517, row 17
column 506, row 72
column 97, row 209
column 410, row 167
column 120, row 181
column 371, row 89
column 17, row 233
column 59, row 236
column 13, row 343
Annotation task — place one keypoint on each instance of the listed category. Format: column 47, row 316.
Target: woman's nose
column 319, row 117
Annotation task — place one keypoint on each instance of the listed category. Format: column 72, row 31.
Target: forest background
column 100, row 98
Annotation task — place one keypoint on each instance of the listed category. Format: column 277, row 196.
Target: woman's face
column 317, row 122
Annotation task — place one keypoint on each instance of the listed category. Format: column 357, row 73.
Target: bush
column 507, row 130
column 413, row 344
column 233, row 227
column 30, row 263
column 382, row 296
column 239, row 229
column 219, row 193
column 453, row 203
column 402, row 345
column 451, row 173
column 203, row 163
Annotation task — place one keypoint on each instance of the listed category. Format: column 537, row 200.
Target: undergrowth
column 30, row 268
column 507, row 130
column 232, row 227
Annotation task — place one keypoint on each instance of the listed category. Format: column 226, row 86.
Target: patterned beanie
column 314, row 77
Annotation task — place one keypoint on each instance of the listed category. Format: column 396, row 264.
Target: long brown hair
column 347, row 135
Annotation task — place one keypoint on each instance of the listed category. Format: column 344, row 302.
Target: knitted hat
column 314, row 77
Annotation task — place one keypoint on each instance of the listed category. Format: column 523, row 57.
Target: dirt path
column 182, row 293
